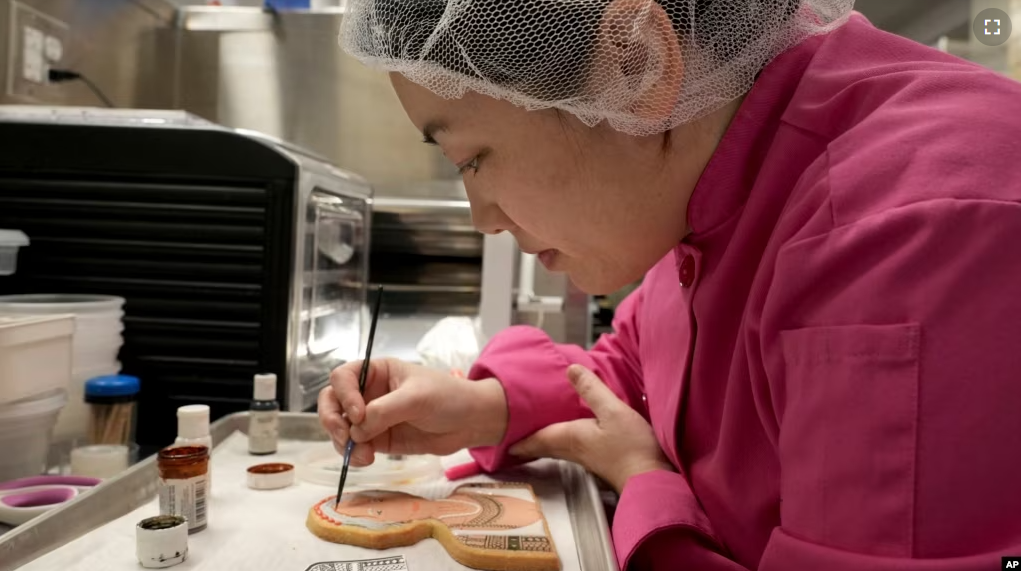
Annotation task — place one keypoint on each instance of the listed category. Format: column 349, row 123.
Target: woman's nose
column 489, row 218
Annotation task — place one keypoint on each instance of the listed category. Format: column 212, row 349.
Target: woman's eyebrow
column 430, row 130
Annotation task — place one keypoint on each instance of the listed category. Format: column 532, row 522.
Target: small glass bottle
column 193, row 426
column 264, row 417
column 193, row 430
column 184, row 472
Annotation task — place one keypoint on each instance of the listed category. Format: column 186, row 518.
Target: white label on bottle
column 263, row 431
column 186, row 497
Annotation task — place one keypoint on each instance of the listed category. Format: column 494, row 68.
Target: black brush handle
column 362, row 377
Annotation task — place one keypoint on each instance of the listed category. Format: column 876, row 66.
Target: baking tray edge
column 137, row 486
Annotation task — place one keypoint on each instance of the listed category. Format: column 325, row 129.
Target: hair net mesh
column 601, row 60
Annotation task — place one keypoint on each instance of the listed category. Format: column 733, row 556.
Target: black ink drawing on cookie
column 396, row 563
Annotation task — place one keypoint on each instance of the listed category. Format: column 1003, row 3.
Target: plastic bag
column 452, row 344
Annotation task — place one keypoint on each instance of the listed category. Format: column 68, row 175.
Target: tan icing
column 461, row 510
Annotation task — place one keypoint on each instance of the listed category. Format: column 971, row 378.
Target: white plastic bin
column 95, row 344
column 26, row 428
column 10, row 242
column 35, row 355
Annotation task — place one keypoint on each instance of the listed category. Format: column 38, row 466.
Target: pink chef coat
column 832, row 360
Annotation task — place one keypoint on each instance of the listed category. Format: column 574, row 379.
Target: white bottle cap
column 161, row 541
column 266, row 387
column 193, row 421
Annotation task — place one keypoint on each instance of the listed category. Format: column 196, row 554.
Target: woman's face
column 599, row 205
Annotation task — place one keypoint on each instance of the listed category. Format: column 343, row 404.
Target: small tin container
column 183, row 486
column 270, row 476
column 161, row 541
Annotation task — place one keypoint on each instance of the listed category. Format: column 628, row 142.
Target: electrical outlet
column 32, row 54
column 37, row 44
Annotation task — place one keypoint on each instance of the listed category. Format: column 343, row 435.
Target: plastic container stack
column 26, row 427
column 10, row 242
column 35, row 370
column 96, row 341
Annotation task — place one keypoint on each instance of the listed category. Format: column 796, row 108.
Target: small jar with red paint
column 184, row 484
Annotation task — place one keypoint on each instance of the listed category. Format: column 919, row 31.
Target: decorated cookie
column 497, row 527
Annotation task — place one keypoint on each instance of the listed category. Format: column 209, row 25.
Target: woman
column 820, row 369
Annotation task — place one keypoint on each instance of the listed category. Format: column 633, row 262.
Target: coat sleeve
column 533, row 372
column 892, row 348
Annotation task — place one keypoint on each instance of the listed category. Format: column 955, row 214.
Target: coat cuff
column 533, row 373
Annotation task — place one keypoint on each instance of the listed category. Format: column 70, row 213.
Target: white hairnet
column 597, row 59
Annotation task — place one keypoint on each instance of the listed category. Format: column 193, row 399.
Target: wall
column 112, row 42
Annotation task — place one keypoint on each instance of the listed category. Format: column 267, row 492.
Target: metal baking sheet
column 137, row 487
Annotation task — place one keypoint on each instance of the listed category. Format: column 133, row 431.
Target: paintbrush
column 361, row 389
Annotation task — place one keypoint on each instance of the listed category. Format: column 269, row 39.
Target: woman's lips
column 548, row 258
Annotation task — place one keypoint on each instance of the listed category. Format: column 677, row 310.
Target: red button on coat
column 686, row 273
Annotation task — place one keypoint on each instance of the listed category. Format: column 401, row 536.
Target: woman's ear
column 638, row 56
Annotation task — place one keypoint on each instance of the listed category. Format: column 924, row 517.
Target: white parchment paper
column 251, row 529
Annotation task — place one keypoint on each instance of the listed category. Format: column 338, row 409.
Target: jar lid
column 183, row 453
column 270, row 476
column 156, row 538
column 13, row 239
column 112, row 386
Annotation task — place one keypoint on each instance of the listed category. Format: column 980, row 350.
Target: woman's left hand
column 616, row 445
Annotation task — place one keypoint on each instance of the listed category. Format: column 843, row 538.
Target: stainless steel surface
column 138, row 485
column 430, row 227
column 499, row 265
column 285, row 75
column 333, row 212
column 427, row 254
column 112, row 42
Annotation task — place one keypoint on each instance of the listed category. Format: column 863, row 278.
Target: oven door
column 330, row 285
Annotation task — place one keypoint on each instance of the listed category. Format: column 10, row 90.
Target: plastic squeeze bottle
column 193, row 430
column 264, row 416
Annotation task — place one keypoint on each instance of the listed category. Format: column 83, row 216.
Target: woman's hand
column 616, row 445
column 410, row 409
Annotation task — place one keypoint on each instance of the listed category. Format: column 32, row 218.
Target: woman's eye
column 472, row 165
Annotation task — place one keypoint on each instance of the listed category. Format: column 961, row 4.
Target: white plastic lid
column 47, row 303
column 193, row 421
column 13, row 239
column 322, row 465
column 266, row 387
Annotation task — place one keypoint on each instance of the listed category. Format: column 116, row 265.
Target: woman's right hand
column 410, row 409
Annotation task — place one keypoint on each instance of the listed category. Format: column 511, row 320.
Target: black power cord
column 65, row 75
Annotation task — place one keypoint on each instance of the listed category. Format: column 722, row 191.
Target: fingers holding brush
column 345, row 383
column 338, row 425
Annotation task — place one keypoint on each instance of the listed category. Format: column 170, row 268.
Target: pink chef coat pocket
column 847, row 436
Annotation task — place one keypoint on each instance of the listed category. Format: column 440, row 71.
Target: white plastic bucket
column 91, row 353
column 10, row 242
column 35, row 355
column 95, row 344
column 26, row 428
